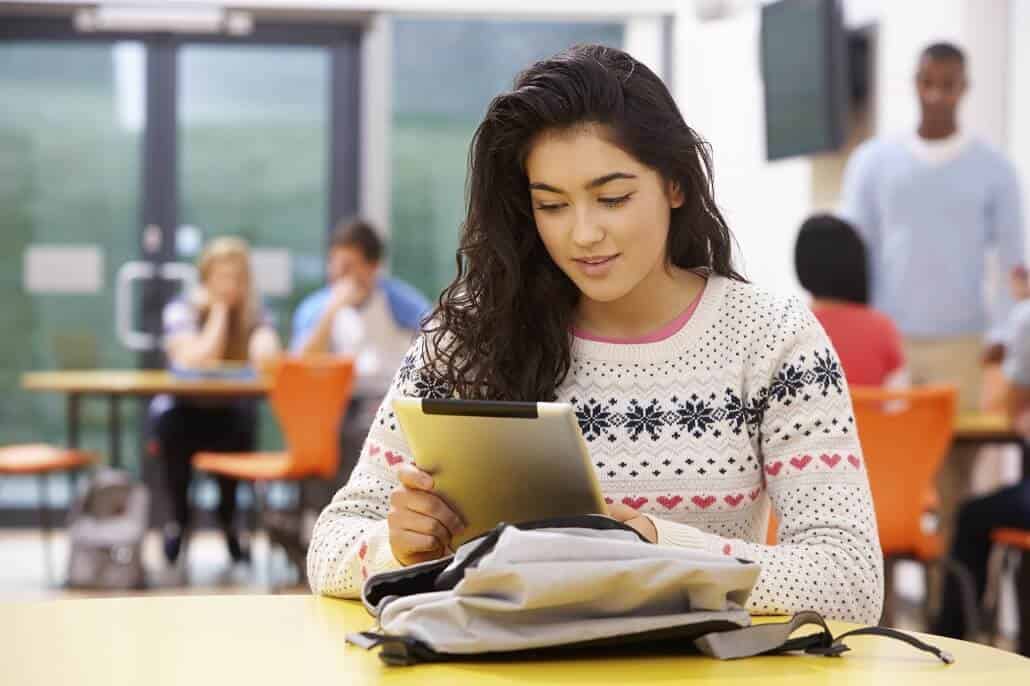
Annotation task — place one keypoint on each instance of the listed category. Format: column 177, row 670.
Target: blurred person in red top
column 831, row 263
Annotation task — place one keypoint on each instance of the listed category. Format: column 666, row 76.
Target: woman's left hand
column 630, row 517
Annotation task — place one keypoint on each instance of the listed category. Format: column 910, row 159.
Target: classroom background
column 134, row 133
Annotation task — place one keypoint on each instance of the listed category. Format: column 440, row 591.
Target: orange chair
column 41, row 459
column 905, row 436
column 309, row 397
column 1011, row 545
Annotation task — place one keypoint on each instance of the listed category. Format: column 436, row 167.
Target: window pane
column 254, row 146
column 70, row 137
column 445, row 73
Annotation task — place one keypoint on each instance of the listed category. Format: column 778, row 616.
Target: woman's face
column 602, row 215
column 227, row 281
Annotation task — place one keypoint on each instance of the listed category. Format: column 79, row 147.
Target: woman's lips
column 596, row 266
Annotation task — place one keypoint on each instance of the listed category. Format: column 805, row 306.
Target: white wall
column 1018, row 100
column 717, row 85
column 719, row 90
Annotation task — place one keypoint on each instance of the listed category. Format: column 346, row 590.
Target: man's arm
column 317, row 338
column 1005, row 226
column 1016, row 368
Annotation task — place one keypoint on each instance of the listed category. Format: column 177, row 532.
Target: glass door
column 120, row 155
column 71, row 133
column 254, row 145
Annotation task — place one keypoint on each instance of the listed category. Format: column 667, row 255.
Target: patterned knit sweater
column 744, row 407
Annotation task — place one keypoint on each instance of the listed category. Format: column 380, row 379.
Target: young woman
column 831, row 263
column 221, row 322
column 595, row 269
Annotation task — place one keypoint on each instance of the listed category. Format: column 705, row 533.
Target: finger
column 622, row 512
column 416, row 522
column 413, row 477
column 413, row 542
column 416, row 558
column 432, row 505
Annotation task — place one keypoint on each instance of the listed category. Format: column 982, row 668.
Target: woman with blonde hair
column 222, row 321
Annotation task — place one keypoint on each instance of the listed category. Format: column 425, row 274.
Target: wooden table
column 118, row 383
column 256, row 640
column 985, row 427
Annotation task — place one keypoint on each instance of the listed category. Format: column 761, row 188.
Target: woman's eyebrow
column 614, row 176
column 599, row 181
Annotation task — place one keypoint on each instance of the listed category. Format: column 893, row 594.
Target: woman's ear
column 674, row 192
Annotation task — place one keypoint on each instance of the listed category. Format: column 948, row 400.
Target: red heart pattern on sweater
column 830, row 461
column 754, row 494
column 393, row 458
column 703, row 502
column 635, row 503
column 801, row 462
column 727, row 549
column 855, row 462
column 373, row 449
column 734, row 500
column 608, row 500
column 669, row 502
column 774, row 468
column 363, row 551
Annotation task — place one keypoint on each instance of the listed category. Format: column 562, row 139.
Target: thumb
column 621, row 512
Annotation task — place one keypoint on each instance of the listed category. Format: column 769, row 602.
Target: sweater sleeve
column 827, row 556
column 350, row 541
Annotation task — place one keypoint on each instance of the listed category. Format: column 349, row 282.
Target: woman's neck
column 657, row 300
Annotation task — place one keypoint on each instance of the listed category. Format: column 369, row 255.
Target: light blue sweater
column 929, row 228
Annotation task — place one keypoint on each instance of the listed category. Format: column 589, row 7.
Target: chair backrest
column 905, row 436
column 309, row 396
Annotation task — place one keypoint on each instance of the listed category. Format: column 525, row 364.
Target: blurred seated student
column 362, row 313
column 831, row 263
column 221, row 322
column 1007, row 507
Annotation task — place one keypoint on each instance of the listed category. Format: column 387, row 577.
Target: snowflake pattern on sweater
column 743, row 410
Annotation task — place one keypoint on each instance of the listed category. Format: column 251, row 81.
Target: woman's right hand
column 421, row 524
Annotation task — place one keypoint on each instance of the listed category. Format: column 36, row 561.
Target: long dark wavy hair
column 502, row 328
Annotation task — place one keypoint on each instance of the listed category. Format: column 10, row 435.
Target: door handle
column 136, row 271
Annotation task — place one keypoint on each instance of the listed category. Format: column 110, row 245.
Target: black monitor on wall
column 804, row 55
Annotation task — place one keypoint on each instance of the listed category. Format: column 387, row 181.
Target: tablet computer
column 502, row 461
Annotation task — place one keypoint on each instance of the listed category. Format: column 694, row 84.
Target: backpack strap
column 774, row 638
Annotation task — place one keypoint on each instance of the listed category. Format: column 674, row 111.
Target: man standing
column 930, row 206
column 361, row 313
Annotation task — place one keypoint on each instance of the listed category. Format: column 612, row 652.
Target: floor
column 207, row 570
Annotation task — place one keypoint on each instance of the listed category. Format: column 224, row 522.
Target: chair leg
column 295, row 555
column 260, row 490
column 44, row 521
column 1023, row 598
column 991, row 601
column 887, row 617
column 967, row 592
column 927, row 594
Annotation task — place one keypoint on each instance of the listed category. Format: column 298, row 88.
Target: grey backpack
column 106, row 526
column 580, row 584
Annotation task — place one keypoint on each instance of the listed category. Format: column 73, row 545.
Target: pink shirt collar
column 667, row 331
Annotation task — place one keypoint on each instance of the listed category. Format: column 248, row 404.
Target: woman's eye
column 615, row 202
column 549, row 207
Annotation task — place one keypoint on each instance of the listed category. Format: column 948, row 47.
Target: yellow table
column 281, row 640
column 118, row 383
column 985, row 427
